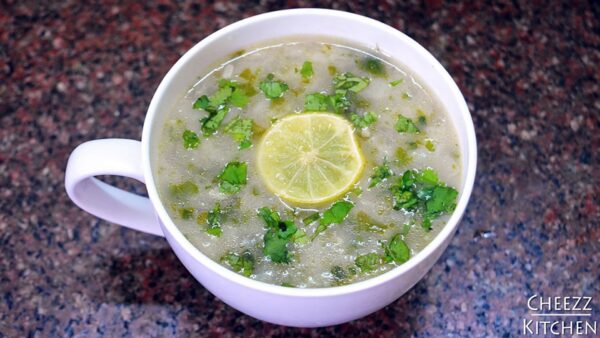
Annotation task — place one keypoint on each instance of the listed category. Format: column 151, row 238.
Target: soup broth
column 394, row 194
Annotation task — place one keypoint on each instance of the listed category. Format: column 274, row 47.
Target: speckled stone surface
column 71, row 72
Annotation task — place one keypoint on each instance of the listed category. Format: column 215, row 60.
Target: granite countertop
column 71, row 72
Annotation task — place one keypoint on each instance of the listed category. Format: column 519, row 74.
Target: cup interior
column 315, row 23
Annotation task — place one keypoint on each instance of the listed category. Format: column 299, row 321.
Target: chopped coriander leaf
column 406, row 200
column 334, row 215
column 213, row 220
column 362, row 122
column 190, row 139
column 211, row 123
column 406, row 125
column 367, row 224
column 186, row 213
column 239, row 98
column 307, row 70
column 315, row 102
column 349, row 82
column 443, row 200
column 368, row 262
column 240, row 130
column 422, row 192
column 403, row 157
column 427, row 176
column 396, row 82
column 270, row 217
column 396, row 250
column 273, row 88
column 300, row 237
column 312, row 218
column 339, row 103
column 406, row 96
column 380, row 174
column 202, row 103
column 221, row 95
column 232, row 177
column 278, row 235
column 184, row 189
column 338, row 273
column 426, row 223
column 373, row 66
column 242, row 264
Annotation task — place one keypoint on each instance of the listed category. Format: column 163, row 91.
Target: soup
column 308, row 163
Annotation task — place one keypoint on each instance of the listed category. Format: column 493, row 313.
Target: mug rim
column 445, row 234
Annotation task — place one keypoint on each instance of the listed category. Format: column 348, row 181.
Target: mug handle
column 110, row 157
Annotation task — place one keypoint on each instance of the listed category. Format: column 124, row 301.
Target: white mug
column 310, row 307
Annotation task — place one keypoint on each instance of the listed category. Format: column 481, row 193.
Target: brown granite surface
column 71, row 72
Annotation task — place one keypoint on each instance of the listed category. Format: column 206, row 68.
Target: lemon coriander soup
column 308, row 164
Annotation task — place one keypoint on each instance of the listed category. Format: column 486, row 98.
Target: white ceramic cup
column 281, row 305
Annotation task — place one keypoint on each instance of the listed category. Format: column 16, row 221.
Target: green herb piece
column 362, row 122
column 269, row 216
column 300, row 237
column 278, row 235
column 427, row 176
column 423, row 192
column 368, row 262
column 213, row 220
column 186, row 213
column 396, row 250
column 367, row 224
column 183, row 190
column 443, row 200
column 273, row 88
column 307, row 70
column 311, row 218
column 240, row 130
column 334, row 215
column 242, row 264
column 338, row 273
column 217, row 105
column 232, row 177
column 339, row 103
column 315, row 102
column 202, row 103
column 239, row 98
column 380, row 174
column 406, row 96
column 406, row 125
column 373, row 66
column 403, row 157
column 426, row 223
column 349, row 82
column 396, row 82
column 190, row 140
column 211, row 123
column 429, row 145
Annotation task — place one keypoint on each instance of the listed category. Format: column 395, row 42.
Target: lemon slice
column 310, row 158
